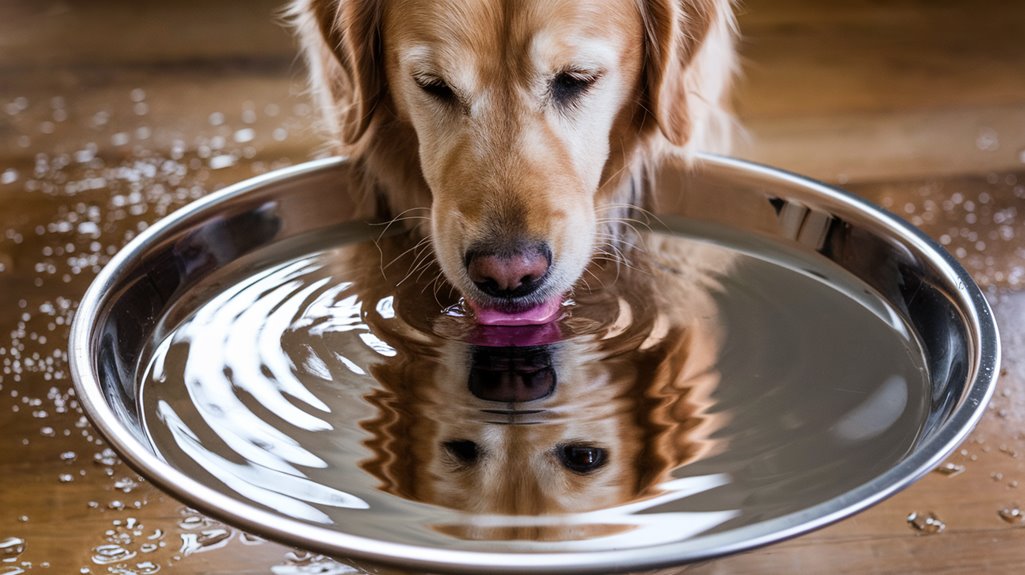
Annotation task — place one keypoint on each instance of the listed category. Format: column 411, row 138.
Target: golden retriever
column 517, row 134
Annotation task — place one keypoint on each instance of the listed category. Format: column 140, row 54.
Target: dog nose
column 509, row 273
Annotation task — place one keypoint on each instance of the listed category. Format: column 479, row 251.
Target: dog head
column 520, row 124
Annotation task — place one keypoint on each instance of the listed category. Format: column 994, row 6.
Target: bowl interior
column 138, row 300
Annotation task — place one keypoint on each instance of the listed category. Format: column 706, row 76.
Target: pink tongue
column 542, row 313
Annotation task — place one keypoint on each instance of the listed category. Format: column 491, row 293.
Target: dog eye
column 567, row 87
column 582, row 458
column 437, row 88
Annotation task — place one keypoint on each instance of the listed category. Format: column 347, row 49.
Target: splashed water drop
column 308, row 564
column 204, row 540
column 146, row 568
column 950, row 469
column 11, row 548
column 988, row 140
column 126, row 484
column 926, row 524
column 1012, row 515
column 111, row 553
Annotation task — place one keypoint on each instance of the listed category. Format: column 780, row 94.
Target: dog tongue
column 539, row 314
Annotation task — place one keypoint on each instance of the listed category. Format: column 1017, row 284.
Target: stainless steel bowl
column 944, row 307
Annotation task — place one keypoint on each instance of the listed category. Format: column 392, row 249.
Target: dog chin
column 534, row 313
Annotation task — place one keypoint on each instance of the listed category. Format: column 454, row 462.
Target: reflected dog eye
column 568, row 86
column 464, row 451
column 436, row 88
column 582, row 458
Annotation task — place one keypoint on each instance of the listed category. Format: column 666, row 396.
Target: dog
column 517, row 136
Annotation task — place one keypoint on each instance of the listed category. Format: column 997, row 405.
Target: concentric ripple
column 680, row 394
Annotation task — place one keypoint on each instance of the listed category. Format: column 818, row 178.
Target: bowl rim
column 981, row 380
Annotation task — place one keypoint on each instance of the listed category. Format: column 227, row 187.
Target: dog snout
column 510, row 272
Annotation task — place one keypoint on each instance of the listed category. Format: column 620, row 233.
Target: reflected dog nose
column 512, row 374
column 508, row 273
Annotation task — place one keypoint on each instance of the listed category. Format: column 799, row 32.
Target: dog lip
column 513, row 313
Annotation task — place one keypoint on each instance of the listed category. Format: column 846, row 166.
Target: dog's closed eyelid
column 569, row 85
column 437, row 88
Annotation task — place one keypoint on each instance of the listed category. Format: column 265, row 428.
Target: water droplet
column 146, row 568
column 116, row 505
column 250, row 539
column 244, row 135
column 11, row 548
column 307, row 564
column 988, row 140
column 111, row 553
column 126, row 484
column 1012, row 515
column 950, row 469
column 192, row 522
column 105, row 457
column 298, row 557
column 926, row 524
column 222, row 161
column 204, row 540
column 65, row 478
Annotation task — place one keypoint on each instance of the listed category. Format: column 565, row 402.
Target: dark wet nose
column 512, row 374
column 508, row 273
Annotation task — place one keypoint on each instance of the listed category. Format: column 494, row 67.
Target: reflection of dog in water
column 584, row 414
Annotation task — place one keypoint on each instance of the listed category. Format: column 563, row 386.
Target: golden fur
column 494, row 121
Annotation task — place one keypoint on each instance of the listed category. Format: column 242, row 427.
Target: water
column 926, row 523
column 682, row 395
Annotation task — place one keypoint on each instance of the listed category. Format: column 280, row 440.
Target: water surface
column 702, row 386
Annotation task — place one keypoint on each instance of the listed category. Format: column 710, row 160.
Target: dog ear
column 675, row 31
column 350, row 30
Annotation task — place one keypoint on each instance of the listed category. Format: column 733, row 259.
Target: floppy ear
column 675, row 31
column 349, row 33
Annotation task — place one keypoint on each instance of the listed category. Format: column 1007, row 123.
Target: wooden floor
column 113, row 113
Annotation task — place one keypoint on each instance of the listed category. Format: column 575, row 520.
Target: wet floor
column 90, row 155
